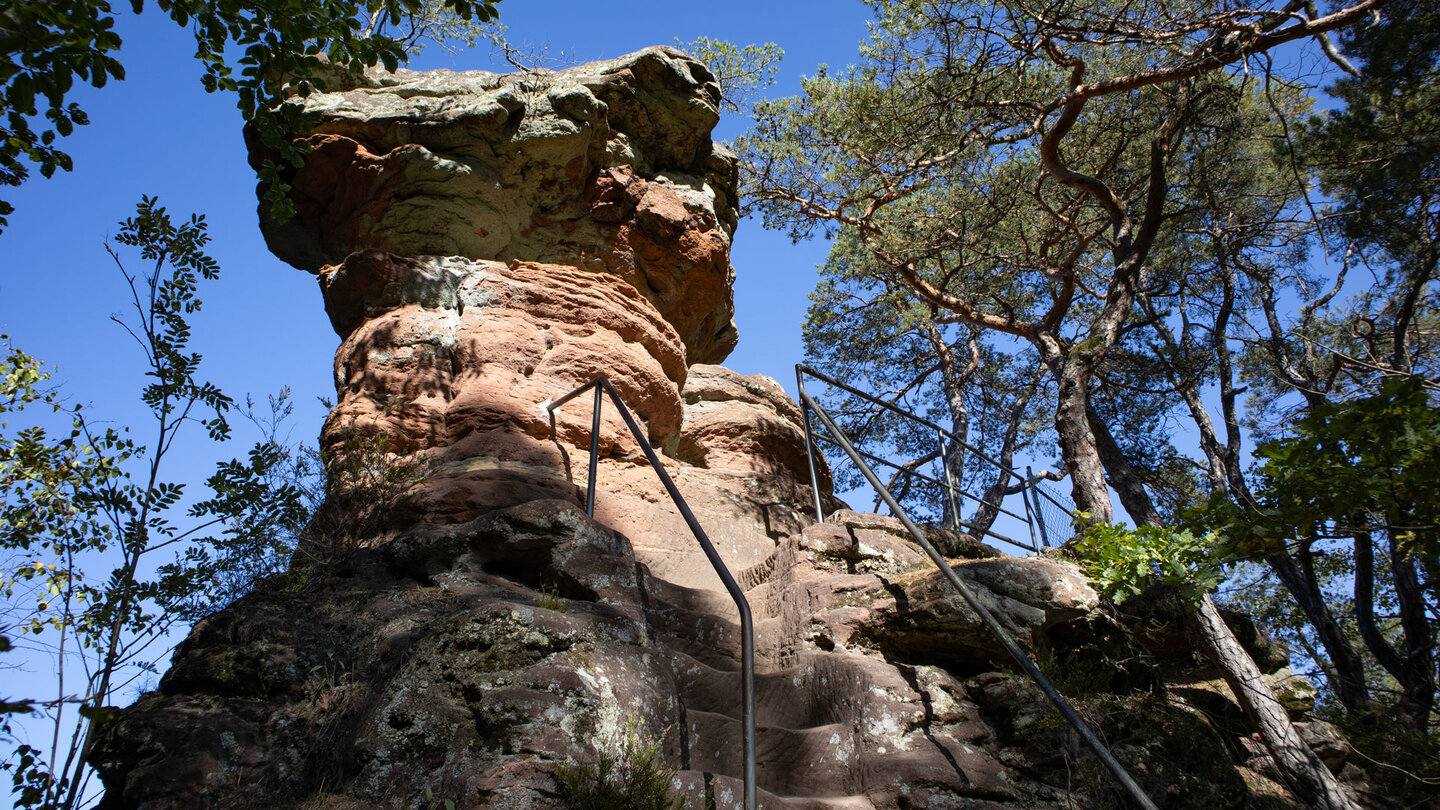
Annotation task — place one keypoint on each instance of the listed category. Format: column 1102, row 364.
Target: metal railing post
column 1109, row 761
column 747, row 624
column 594, row 452
column 950, row 485
column 1034, row 485
column 809, row 448
column 1029, row 514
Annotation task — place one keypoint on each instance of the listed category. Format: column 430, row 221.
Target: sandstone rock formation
column 486, row 244
column 608, row 168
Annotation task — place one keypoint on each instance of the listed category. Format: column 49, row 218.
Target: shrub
column 636, row 778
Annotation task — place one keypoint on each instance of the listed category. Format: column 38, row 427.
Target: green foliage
column 258, row 50
column 1123, row 562
column 434, row 21
column 266, row 502
column 432, row 803
column 549, row 597
column 47, row 46
column 1378, row 155
column 942, row 164
column 46, row 484
column 1371, row 464
column 43, row 484
column 741, row 71
column 1351, row 479
column 85, row 512
column 634, row 778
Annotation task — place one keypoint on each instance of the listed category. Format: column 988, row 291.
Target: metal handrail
column 923, row 477
column 1027, row 482
column 747, row 628
column 890, row 406
column 1116, row 769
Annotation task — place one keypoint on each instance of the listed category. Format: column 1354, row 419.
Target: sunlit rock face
column 464, row 632
column 607, row 167
column 486, row 243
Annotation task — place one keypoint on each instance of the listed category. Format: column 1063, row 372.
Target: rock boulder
column 607, row 168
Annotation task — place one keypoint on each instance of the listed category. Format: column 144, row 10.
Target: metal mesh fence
column 1054, row 510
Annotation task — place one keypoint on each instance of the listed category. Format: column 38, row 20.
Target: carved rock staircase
column 839, row 727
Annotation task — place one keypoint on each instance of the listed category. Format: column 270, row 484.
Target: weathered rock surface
column 607, row 167
column 436, row 349
column 469, row 661
column 461, row 632
column 743, row 424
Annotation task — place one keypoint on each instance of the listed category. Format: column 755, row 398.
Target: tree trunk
column 1307, row 775
column 953, row 452
column 1348, row 667
column 1123, row 475
column 952, row 382
column 1077, row 442
column 1418, row 674
column 989, row 507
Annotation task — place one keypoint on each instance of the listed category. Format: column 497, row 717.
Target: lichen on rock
column 606, row 167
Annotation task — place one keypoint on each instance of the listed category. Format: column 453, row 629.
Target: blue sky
column 263, row 326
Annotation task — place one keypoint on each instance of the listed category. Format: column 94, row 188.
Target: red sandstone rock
column 743, row 424
column 437, row 350
column 607, row 168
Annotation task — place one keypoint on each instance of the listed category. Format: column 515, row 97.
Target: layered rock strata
column 608, row 168
column 467, row 635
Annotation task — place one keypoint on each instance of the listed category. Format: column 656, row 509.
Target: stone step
column 729, row 794
column 836, row 765
column 816, row 693
column 839, row 725
column 695, row 634
column 817, row 761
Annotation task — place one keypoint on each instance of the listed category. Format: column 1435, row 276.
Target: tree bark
column 1078, row 447
column 1123, row 475
column 1348, row 667
column 952, row 381
column 1384, row 653
column 1234, row 476
column 1418, row 674
column 989, row 507
column 1308, row 777
column 1416, row 281
column 1174, row 351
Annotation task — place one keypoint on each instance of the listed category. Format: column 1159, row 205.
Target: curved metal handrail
column 1028, row 482
column 808, row 404
column 747, row 628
